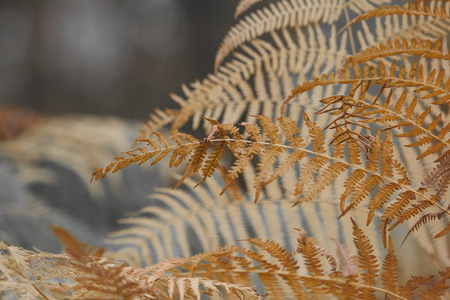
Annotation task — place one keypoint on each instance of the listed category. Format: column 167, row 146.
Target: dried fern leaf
column 193, row 288
column 382, row 172
column 281, row 15
column 279, row 266
column 243, row 6
column 417, row 47
column 367, row 261
column 157, row 120
column 409, row 9
column 195, row 221
column 389, row 277
column 73, row 246
column 359, row 7
column 141, row 155
column 51, row 276
column 403, row 27
column 387, row 111
column 438, row 289
column 67, row 277
column 239, row 87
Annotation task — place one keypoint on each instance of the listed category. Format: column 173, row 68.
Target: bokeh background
column 107, row 57
column 93, row 70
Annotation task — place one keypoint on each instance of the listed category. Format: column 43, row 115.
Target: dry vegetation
column 332, row 150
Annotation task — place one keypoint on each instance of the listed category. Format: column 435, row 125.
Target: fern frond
column 438, row 289
column 279, row 266
column 389, row 277
column 379, row 178
column 281, row 15
column 443, row 232
column 396, row 209
column 424, row 219
column 387, row 78
column 243, row 6
column 239, row 87
column 30, row 275
column 390, row 49
column 359, row 7
column 410, row 9
column 67, row 277
column 193, row 288
column 389, row 29
column 367, row 261
column 395, row 113
column 196, row 220
column 140, row 155
column 196, row 161
column 269, row 156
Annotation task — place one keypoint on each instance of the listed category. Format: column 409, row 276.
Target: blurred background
column 93, row 70
column 109, row 57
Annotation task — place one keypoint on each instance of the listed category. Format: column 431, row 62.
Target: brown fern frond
column 311, row 255
column 359, row 188
column 213, row 161
column 414, row 283
column 352, row 180
column 443, row 232
column 439, row 176
column 395, row 209
column 438, row 288
column 424, row 219
column 73, row 246
column 362, row 191
column 291, row 129
column 280, row 15
column 80, row 274
column 417, row 47
column 401, row 27
column 387, row 78
column 383, row 195
column 389, row 277
column 196, row 161
column 64, row 276
column 381, row 181
column 269, row 156
column 315, row 163
column 356, row 111
column 275, row 267
column 185, row 148
column 284, row 258
column 366, row 260
column 140, row 155
column 410, row 9
column 413, row 211
column 246, row 152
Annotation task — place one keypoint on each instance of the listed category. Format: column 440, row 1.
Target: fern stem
column 40, row 292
